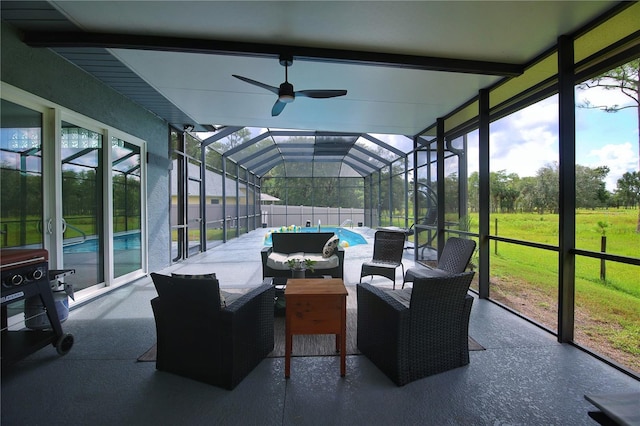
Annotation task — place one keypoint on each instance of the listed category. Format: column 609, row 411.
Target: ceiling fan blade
column 321, row 94
column 277, row 108
column 257, row 83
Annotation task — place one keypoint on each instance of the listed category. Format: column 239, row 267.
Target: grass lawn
column 607, row 311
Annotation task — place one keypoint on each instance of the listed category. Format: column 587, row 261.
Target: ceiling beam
column 222, row 133
column 57, row 39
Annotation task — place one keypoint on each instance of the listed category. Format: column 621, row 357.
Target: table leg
column 343, row 338
column 287, row 354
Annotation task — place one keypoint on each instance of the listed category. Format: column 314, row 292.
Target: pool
column 347, row 238
column 129, row 241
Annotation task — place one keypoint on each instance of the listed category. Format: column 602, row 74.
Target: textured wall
column 45, row 74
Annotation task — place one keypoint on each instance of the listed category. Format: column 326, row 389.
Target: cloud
column 527, row 140
column 620, row 158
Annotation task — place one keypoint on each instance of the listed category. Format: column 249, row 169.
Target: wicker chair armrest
column 265, row 252
column 248, row 331
column 250, row 318
column 383, row 329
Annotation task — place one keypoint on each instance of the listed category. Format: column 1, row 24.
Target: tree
column 625, row 78
column 473, row 186
column 504, row 191
column 546, row 191
column 628, row 189
column 591, row 189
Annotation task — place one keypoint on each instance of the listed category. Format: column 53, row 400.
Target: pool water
column 120, row 242
column 347, row 238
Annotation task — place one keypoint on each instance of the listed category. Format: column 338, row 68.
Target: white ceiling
column 380, row 99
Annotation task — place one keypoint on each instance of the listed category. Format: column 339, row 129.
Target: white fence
column 277, row 215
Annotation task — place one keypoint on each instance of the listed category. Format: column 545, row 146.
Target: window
column 607, row 214
column 524, row 206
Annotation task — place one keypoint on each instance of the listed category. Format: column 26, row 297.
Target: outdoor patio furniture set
column 408, row 333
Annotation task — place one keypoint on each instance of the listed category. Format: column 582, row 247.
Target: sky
column 525, row 141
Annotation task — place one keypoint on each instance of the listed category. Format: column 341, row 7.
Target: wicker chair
column 200, row 339
column 388, row 247
column 455, row 257
column 413, row 333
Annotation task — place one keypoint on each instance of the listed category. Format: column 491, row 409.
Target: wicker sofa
column 303, row 245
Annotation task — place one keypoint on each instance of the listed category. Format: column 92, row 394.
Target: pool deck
column 237, row 263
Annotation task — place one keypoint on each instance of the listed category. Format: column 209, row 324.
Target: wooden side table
column 316, row 306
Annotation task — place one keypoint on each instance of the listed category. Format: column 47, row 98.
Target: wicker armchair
column 413, row 333
column 455, row 257
column 388, row 247
column 200, row 339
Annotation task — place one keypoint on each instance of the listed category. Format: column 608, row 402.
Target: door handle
column 50, row 226
column 64, row 225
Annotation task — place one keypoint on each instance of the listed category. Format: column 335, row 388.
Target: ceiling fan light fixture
column 286, row 98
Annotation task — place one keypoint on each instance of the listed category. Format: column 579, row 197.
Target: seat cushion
column 322, row 262
column 403, row 296
column 423, row 272
column 229, row 297
column 278, row 261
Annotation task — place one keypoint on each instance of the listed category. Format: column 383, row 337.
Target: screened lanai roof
column 299, row 153
column 404, row 65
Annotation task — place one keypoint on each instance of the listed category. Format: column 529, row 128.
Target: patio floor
column 523, row 377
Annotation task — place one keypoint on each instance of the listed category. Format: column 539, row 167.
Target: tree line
column 540, row 193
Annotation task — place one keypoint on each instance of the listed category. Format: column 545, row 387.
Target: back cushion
column 210, row 276
column 188, row 293
column 306, row 242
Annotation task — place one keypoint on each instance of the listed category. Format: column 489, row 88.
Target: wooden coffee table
column 316, row 306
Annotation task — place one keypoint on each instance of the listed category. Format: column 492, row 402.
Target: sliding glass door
column 82, row 209
column 75, row 187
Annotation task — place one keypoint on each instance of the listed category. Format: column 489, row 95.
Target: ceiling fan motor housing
column 286, row 93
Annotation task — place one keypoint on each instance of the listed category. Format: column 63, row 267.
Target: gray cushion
column 403, row 296
column 423, row 272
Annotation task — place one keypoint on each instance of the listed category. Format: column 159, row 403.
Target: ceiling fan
column 285, row 92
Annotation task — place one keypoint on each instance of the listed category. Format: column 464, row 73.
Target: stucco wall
column 43, row 73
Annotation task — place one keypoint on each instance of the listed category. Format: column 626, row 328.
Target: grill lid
column 11, row 258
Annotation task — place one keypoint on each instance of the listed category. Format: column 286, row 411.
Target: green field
column 607, row 311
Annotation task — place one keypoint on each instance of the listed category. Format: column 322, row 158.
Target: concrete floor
column 523, row 377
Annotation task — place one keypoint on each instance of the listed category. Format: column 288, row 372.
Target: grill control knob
column 16, row 279
column 36, row 274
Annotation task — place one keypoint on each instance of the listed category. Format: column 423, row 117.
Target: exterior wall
column 45, row 74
